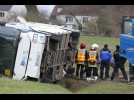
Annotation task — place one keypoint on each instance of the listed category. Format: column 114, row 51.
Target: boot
column 95, row 78
column 89, row 78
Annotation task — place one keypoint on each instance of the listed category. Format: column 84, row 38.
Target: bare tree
column 34, row 15
column 92, row 26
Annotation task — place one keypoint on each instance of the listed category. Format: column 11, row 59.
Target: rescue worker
column 81, row 57
column 93, row 58
column 119, row 64
column 105, row 58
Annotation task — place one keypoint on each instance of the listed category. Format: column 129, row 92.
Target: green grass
column 8, row 86
column 89, row 40
column 108, row 87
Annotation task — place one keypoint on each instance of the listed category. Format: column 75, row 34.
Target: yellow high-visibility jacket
column 81, row 56
column 93, row 57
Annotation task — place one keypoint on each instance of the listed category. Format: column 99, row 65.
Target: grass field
column 108, row 87
column 8, row 86
column 13, row 86
column 89, row 40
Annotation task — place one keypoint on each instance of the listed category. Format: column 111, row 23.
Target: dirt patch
column 75, row 84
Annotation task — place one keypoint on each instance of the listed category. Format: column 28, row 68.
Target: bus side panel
column 127, row 47
column 36, row 52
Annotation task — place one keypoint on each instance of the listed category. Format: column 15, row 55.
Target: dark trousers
column 89, row 71
column 131, row 72
column 116, row 70
column 70, row 71
column 1, row 70
column 82, row 66
column 105, row 66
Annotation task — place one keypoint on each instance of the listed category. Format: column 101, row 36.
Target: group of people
column 96, row 64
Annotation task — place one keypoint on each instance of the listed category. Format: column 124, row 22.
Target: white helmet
column 95, row 46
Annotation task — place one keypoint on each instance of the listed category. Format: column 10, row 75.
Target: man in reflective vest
column 81, row 57
column 92, row 63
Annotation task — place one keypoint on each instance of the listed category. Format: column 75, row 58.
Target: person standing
column 119, row 64
column 81, row 57
column 105, row 58
column 70, row 59
column 92, row 63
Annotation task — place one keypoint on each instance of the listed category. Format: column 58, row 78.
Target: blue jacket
column 105, row 55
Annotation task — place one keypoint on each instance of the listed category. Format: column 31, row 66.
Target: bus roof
column 47, row 28
column 39, row 27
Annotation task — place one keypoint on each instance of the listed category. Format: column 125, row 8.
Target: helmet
column 95, row 46
column 82, row 46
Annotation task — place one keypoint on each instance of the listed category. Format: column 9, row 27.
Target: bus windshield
column 8, row 47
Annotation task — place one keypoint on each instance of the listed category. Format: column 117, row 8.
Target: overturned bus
column 39, row 51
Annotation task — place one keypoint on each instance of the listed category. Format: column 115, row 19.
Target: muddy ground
column 75, row 84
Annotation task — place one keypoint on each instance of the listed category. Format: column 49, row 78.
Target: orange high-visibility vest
column 81, row 55
column 92, row 56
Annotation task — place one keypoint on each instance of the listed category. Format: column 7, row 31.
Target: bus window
column 53, row 44
column 128, row 27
